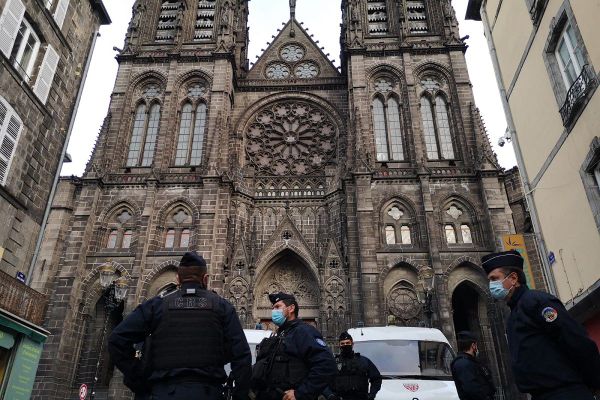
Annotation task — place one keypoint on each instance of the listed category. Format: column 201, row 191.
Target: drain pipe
column 539, row 237
column 40, row 237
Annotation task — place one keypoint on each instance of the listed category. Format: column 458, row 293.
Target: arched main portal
column 288, row 272
column 473, row 311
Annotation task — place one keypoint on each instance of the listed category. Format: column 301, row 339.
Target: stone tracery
column 291, row 138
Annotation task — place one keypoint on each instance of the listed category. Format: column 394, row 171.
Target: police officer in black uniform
column 551, row 354
column 194, row 334
column 295, row 363
column 473, row 380
column 355, row 374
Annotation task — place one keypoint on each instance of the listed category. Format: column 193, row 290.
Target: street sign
column 83, row 391
column 21, row 276
column 551, row 258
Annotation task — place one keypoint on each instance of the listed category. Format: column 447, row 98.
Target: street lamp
column 114, row 291
column 427, row 282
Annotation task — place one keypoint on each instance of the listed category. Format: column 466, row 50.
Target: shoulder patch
column 550, row 314
column 320, row 342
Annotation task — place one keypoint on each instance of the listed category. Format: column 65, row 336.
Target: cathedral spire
column 292, row 9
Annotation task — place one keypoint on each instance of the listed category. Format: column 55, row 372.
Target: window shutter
column 61, row 12
column 9, row 136
column 46, row 74
column 10, row 21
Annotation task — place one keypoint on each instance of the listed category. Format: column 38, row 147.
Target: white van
column 414, row 362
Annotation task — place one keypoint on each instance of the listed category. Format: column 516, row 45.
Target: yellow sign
column 517, row 242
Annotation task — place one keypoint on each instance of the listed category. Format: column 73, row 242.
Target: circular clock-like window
column 278, row 71
column 306, row 70
column 292, row 52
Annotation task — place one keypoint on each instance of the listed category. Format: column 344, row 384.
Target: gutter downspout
column 40, row 238
column 539, row 237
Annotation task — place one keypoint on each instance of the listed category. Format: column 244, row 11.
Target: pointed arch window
column 178, row 230
column 120, row 230
column 398, row 223
column 191, row 135
column 458, row 224
column 436, row 128
column 144, row 135
column 450, row 234
column 388, row 130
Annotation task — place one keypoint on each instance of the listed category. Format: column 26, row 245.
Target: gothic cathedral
column 370, row 191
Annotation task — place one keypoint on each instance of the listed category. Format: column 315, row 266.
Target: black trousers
column 186, row 391
column 578, row 392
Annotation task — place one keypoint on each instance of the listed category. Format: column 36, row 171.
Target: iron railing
column 21, row 300
column 579, row 90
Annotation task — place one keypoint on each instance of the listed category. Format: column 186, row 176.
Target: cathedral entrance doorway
column 288, row 273
column 471, row 313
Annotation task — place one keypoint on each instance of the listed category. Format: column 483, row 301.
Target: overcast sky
column 321, row 17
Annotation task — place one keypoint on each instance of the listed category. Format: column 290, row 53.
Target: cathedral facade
column 369, row 191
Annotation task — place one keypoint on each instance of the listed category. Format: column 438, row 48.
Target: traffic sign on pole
column 83, row 391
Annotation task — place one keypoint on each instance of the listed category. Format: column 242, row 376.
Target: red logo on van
column 413, row 387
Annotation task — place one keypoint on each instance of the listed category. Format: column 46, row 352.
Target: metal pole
column 548, row 274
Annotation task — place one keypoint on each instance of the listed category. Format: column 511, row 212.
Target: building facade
column 351, row 187
column 45, row 47
column 547, row 70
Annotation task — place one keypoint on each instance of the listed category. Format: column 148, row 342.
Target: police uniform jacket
column 549, row 349
column 304, row 341
column 473, row 380
column 145, row 320
column 366, row 365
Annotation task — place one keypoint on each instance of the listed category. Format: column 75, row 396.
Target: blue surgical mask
column 497, row 290
column 277, row 317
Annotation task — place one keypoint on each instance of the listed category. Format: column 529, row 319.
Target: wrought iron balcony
column 21, row 300
column 578, row 92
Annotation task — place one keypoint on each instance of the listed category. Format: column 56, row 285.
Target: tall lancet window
column 436, row 128
column 144, row 136
column 191, row 135
column 387, row 124
column 192, row 126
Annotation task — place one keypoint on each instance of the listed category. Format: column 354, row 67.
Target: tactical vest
column 352, row 376
column 190, row 333
column 274, row 368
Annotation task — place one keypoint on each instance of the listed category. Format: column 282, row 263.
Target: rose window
column 306, row 70
column 278, row 71
column 290, row 138
column 403, row 303
column 292, row 53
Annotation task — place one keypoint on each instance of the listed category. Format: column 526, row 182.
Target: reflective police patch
column 321, row 342
column 549, row 314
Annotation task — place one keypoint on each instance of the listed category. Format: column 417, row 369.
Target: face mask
column 277, row 317
column 497, row 290
column 476, row 352
column 346, row 350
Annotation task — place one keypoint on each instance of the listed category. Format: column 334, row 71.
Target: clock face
column 292, row 52
column 306, row 70
column 278, row 71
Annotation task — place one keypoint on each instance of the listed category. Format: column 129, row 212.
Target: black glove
column 371, row 396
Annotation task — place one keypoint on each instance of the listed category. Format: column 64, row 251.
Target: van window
column 397, row 359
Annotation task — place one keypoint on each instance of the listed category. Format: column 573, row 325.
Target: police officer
column 295, row 363
column 355, row 373
column 194, row 334
column 473, row 380
column 551, row 354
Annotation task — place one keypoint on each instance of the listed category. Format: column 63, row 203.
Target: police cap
column 511, row 259
column 345, row 336
column 275, row 297
column 466, row 336
column 192, row 259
